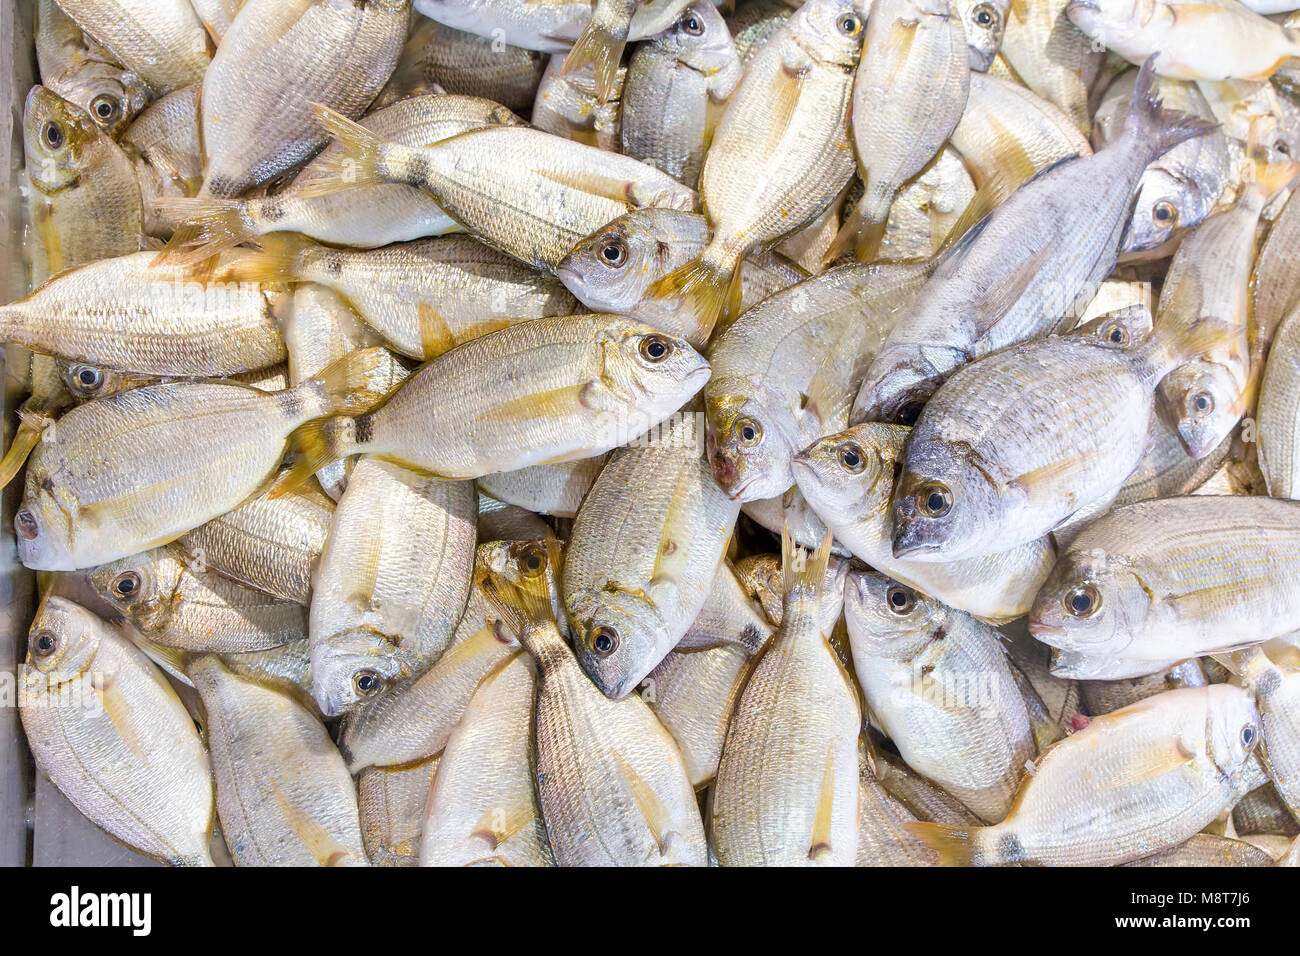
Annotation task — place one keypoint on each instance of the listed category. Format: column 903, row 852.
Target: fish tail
column 206, row 226
column 603, row 51
column 524, row 604
column 277, row 261
column 862, row 232
column 314, row 445
column 350, row 385
column 357, row 163
column 31, row 426
column 954, row 844
column 802, row 574
column 1172, row 347
column 707, row 293
column 1150, row 123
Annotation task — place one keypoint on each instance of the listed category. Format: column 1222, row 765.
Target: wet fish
column 1205, row 849
column 985, row 22
column 166, row 136
column 882, row 841
column 569, row 105
column 1277, row 693
column 392, row 801
column 1052, row 56
column 1104, row 696
column 161, row 41
column 555, row 489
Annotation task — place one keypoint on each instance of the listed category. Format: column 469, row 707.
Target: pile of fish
column 641, row 432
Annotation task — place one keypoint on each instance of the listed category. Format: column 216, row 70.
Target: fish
column 466, row 64
column 1277, row 693
column 545, row 391
column 546, row 27
column 779, row 156
column 107, row 729
column 268, row 543
column 1279, row 412
column 1012, row 281
column 647, row 542
column 364, row 217
column 256, row 118
column 119, row 313
column 882, row 841
column 1052, row 56
column 752, row 24
column 611, row 783
column 1262, row 811
column 1201, row 40
column 569, row 105
column 284, row 796
column 937, row 683
column 920, row 797
column 84, row 201
column 848, row 478
column 552, row 489
column 909, row 93
column 925, row 212
column 498, row 521
column 997, row 458
column 787, row 786
column 535, row 209
column 1104, row 696
column 985, row 22
column 188, row 607
column 611, row 270
column 166, row 138
column 423, row 297
column 1130, row 784
column 1205, row 849
column 677, row 83
column 785, row 371
column 483, row 807
column 161, row 41
column 137, row 470
column 1159, row 581
column 391, row 582
column 392, row 802
column 217, row 15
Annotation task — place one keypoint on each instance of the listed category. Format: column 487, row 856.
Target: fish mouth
column 1045, row 632
column 1073, row 5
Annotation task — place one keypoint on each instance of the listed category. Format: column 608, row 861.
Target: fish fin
column 800, row 573
column 325, row 850
column 1013, row 168
column 558, row 403
column 783, row 100
column 351, row 384
column 118, row 711
column 1149, row 765
column 315, row 445
column 954, row 844
column 671, row 560
column 1037, row 481
column 1020, row 8
column 526, row 603
column 277, row 261
column 1169, row 348
column 1150, row 123
column 603, row 51
column 1001, row 294
column 51, row 243
column 614, row 188
column 819, row 845
column 706, row 291
column 498, row 825
column 652, row 808
column 862, row 232
column 435, row 335
column 355, row 164
column 31, row 426
column 206, row 226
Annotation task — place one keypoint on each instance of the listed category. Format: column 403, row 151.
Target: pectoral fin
column 652, row 809
column 325, row 850
column 499, row 824
column 819, row 846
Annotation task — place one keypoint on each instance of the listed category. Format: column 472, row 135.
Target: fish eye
column 655, row 349
column 851, row 458
column 909, row 413
column 90, row 378
column 53, row 135
column 693, row 25
column 934, row 499
column 986, row 15
column 749, row 432
column 1282, row 148
column 26, row 526
column 1200, row 403
column 367, row 683
column 533, row 561
column 612, row 251
column 901, row 600
column 1165, row 213
column 604, row 639
column 849, row 25
column 1083, row 600
column 105, row 108
column 125, row 586
column 44, row 643
column 1116, row 333
column 1248, row 736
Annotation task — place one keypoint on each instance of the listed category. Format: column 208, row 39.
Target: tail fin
column 954, row 844
column 602, row 49
column 862, row 231
column 315, row 445
column 801, row 574
column 526, row 604
column 206, row 226
column 276, row 262
column 705, row 293
column 31, row 426
column 350, row 385
column 1168, row 347
column 356, row 163
column 1149, row 123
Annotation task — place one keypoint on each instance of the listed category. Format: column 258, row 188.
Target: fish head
column 90, row 381
column 849, row 476
column 831, row 31
column 749, row 447
column 619, row 638
column 1092, row 603
column 62, row 642
column 700, row 40
column 516, row 561
column 610, row 270
column 944, row 506
column 60, row 141
column 355, row 668
column 43, row 524
column 900, row 381
column 1202, row 402
column 110, row 96
column 655, row 371
column 760, row 576
column 1166, row 204
column 985, row 22
column 142, row 587
column 1120, row 328
column 886, row 617
column 1233, row 727
column 1107, row 21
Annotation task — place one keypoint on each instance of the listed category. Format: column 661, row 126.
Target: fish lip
column 1041, row 632
column 902, row 550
